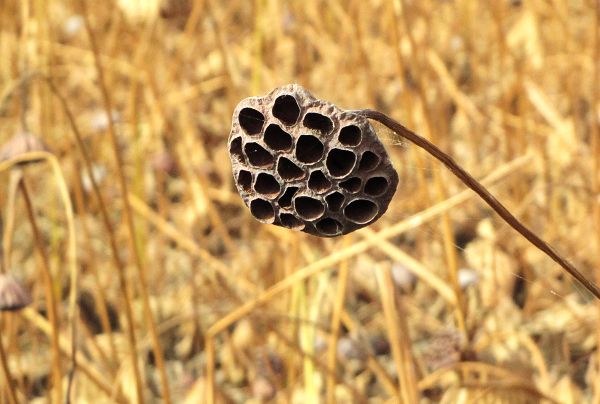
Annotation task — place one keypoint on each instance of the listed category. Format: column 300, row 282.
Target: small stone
column 402, row 277
column 379, row 344
column 350, row 349
column 263, row 389
column 467, row 277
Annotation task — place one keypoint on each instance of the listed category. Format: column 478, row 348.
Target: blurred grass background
column 151, row 273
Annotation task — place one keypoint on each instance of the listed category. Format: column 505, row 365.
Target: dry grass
column 152, row 274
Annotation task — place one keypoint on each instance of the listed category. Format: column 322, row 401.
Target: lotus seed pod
column 305, row 164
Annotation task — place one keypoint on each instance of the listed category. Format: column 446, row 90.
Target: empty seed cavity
column 267, row 185
column 258, row 155
column 340, row 162
column 309, row 149
column 286, row 109
column 251, row 120
column 235, row 148
column 288, row 170
column 262, row 210
column 285, row 201
column 361, row 211
column 318, row 122
column 369, row 161
column 309, row 208
column 351, row 185
column 244, row 180
column 376, row 186
column 277, row 139
column 318, row 183
column 350, row 135
column 291, row 222
column 335, row 200
column 329, row 226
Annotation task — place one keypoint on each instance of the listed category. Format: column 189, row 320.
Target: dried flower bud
column 13, row 296
column 22, row 143
column 304, row 164
column 165, row 163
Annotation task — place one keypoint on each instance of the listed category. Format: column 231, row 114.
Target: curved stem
column 124, row 285
column 50, row 298
column 480, row 190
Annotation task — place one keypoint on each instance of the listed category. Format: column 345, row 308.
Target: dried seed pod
column 22, row 143
column 304, row 164
column 13, row 296
column 443, row 349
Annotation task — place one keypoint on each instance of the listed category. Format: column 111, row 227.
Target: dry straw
column 13, row 297
column 303, row 163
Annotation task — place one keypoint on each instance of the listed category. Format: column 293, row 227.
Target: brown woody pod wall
column 304, row 164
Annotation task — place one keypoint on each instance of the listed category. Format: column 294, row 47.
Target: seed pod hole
column 309, row 149
column 291, row 222
column 350, row 135
column 251, row 120
column 308, row 208
column 351, row 185
column 369, row 161
column 267, row 185
column 244, row 180
column 376, row 186
column 277, row 139
column 329, row 226
column 318, row 122
column 285, row 201
column 335, row 200
column 288, row 170
column 340, row 162
column 318, row 183
column 286, row 109
column 235, row 148
column 361, row 211
column 262, row 210
column 258, row 155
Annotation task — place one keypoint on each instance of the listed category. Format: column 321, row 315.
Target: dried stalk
column 480, row 190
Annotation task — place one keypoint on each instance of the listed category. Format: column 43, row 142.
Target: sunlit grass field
column 150, row 280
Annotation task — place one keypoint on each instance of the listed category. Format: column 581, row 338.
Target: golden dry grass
column 154, row 276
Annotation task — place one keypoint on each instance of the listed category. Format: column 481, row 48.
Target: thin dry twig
column 338, row 308
column 397, row 330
